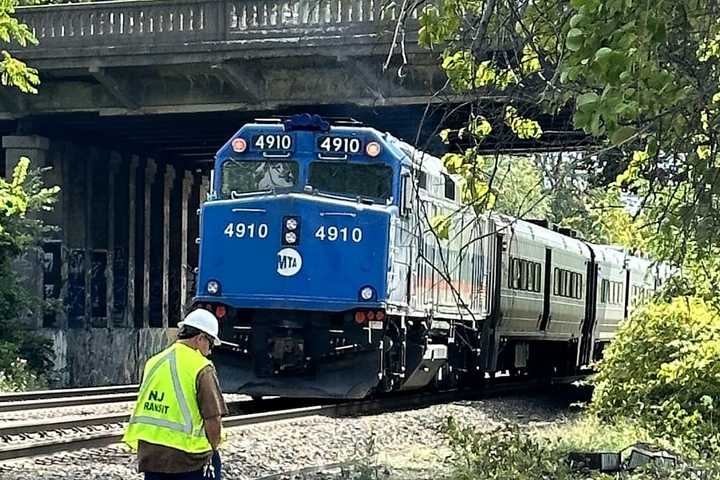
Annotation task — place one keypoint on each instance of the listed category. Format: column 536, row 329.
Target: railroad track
column 267, row 411
column 66, row 392
column 70, row 397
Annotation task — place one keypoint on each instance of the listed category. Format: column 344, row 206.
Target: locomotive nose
column 295, row 251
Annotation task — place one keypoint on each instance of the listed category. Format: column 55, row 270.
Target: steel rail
column 64, row 423
column 67, row 402
column 25, row 427
column 108, row 438
column 66, row 392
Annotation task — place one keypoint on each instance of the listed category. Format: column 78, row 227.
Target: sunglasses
column 210, row 340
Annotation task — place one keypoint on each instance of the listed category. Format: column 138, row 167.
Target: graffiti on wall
column 76, row 287
column 52, row 279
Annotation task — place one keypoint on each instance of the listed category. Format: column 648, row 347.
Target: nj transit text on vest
column 152, row 406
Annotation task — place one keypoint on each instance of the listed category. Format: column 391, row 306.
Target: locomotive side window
column 449, row 187
column 422, row 180
column 352, row 179
column 245, row 177
column 406, row 195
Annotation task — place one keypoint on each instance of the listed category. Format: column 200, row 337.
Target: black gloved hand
column 213, row 471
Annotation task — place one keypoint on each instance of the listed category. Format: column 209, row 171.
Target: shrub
column 17, row 376
column 663, row 369
column 589, row 433
column 504, row 454
column 511, row 454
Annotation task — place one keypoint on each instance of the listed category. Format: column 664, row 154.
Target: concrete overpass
column 207, row 66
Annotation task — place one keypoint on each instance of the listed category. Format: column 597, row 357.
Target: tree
column 548, row 186
column 21, row 199
column 14, row 72
column 641, row 78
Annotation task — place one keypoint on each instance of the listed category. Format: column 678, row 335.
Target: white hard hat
column 204, row 321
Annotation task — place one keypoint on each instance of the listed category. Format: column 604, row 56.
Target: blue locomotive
column 318, row 258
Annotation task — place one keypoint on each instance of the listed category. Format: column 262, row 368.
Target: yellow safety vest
column 167, row 412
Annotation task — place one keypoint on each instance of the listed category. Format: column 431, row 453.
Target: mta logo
column 289, row 262
column 286, row 262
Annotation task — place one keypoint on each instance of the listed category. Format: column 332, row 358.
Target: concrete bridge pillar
column 31, row 146
column 29, row 267
column 150, row 172
column 186, row 218
column 166, row 236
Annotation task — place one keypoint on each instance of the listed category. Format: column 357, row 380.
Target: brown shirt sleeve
column 209, row 395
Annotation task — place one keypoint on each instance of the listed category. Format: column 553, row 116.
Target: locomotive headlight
column 372, row 149
column 213, row 287
column 291, row 224
column 290, row 237
column 239, row 145
column 367, row 293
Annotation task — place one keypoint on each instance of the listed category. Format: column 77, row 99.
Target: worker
column 176, row 424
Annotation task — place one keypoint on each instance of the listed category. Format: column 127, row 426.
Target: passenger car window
column 515, row 273
column 538, row 276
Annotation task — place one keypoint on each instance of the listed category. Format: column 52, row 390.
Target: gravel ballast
column 404, row 444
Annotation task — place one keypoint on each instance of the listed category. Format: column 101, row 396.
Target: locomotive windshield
column 352, row 179
column 244, row 177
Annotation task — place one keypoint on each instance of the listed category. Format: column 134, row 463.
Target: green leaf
column 586, row 99
column 441, row 226
column 452, row 161
column 603, row 54
column 596, row 127
column 621, row 135
column 576, row 20
column 444, row 135
column 575, row 38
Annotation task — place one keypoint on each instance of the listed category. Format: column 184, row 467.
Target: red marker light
column 371, row 315
column 380, row 315
column 360, row 317
column 372, row 149
column 220, row 311
column 239, row 145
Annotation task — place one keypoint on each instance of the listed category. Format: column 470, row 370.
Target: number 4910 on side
column 343, row 234
column 249, row 230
